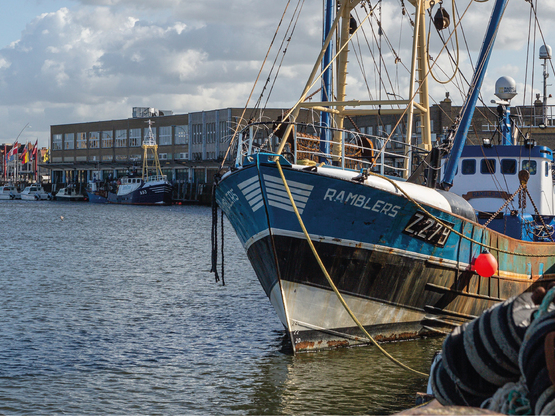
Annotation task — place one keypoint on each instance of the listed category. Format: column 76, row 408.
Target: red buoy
column 485, row 264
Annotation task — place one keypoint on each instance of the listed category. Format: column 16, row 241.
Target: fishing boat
column 9, row 192
column 340, row 247
column 144, row 190
column 35, row 192
column 69, row 193
column 97, row 192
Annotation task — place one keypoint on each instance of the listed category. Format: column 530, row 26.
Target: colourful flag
column 25, row 156
column 35, row 149
column 12, row 154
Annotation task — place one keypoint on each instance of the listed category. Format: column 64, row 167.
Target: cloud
column 99, row 58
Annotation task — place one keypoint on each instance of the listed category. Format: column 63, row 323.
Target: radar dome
column 545, row 52
column 505, row 88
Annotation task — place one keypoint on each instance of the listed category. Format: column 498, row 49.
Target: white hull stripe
column 277, row 195
column 251, row 190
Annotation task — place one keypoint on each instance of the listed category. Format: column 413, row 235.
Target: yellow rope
column 354, row 318
column 491, row 248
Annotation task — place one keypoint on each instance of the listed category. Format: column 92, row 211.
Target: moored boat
column 35, row 192
column 9, row 192
column 323, row 227
column 69, row 193
column 146, row 189
column 97, row 192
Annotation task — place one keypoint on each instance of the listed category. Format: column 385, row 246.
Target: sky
column 72, row 61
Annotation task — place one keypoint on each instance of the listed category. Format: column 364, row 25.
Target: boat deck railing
column 345, row 148
column 156, row 178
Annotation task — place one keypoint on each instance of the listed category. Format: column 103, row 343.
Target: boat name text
column 362, row 201
column 229, row 199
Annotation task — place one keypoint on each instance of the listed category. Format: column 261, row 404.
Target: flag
column 35, row 149
column 12, row 154
column 25, row 156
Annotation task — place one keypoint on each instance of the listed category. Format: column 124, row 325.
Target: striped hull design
column 149, row 193
column 400, row 280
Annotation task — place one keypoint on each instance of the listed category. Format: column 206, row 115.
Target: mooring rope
column 330, row 281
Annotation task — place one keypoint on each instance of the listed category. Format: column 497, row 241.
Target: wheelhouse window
column 468, row 166
column 508, row 166
column 487, row 166
column 547, row 170
column 530, row 165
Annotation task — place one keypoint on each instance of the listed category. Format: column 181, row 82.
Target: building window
column 182, row 134
column 165, row 135
column 121, row 138
column 107, row 158
column 94, row 140
column 121, row 158
column 487, row 166
column 223, row 131
column 135, row 137
column 69, row 141
column 81, row 140
column 135, row 158
column 210, row 132
column 197, row 133
column 107, row 139
column 468, row 167
column 508, row 166
column 57, row 142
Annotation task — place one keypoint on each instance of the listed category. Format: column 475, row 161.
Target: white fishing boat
column 69, row 193
column 35, row 192
column 9, row 192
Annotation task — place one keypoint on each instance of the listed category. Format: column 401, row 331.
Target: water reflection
column 345, row 381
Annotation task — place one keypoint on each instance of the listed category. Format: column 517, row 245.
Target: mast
column 472, row 98
column 326, row 79
column 149, row 143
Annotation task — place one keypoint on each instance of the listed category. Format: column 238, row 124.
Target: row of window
column 121, row 138
column 507, row 166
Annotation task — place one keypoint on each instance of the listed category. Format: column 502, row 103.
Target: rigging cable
column 235, row 133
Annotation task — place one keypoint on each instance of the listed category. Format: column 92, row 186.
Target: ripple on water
column 113, row 310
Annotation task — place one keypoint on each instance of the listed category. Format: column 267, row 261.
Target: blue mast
column 325, row 134
column 475, row 86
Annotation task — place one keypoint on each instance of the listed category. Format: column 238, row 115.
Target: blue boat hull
column 400, row 280
column 159, row 194
column 96, row 199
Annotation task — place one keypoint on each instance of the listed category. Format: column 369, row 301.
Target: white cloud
column 100, row 58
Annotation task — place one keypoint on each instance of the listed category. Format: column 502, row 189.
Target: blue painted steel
column 476, row 85
column 505, row 121
column 508, row 151
column 325, row 134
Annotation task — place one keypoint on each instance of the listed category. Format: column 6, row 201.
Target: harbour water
column 108, row 309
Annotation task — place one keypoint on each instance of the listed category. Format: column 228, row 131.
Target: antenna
column 545, row 54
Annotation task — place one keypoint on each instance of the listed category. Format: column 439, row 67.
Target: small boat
column 97, row 192
column 69, row 193
column 9, row 192
column 35, row 192
column 332, row 237
column 144, row 190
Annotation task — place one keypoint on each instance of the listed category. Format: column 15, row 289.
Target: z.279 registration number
column 428, row 229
